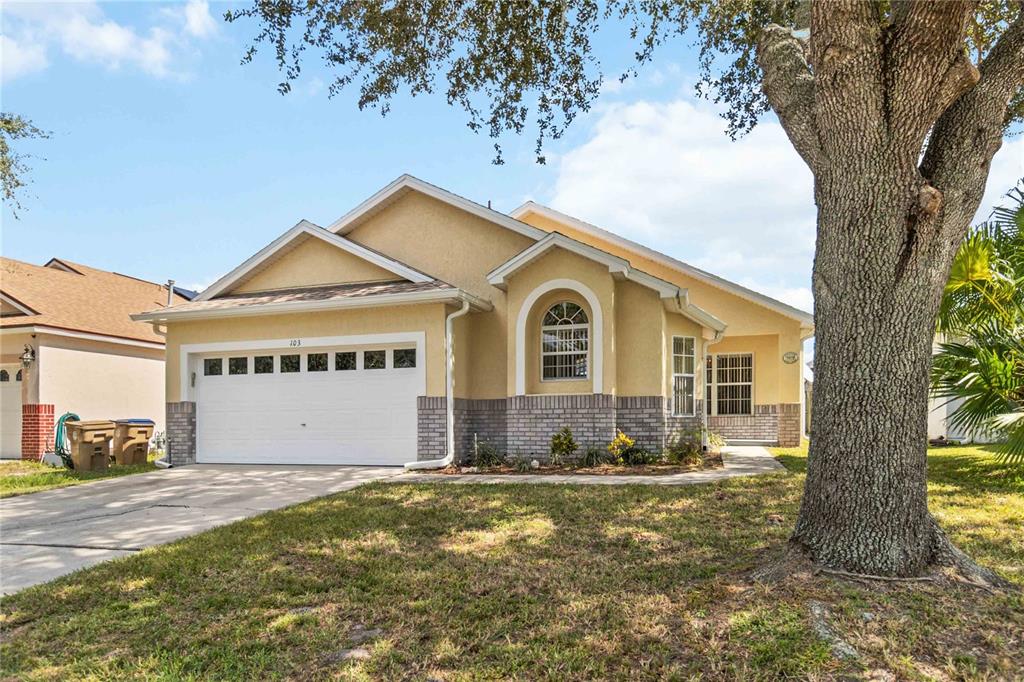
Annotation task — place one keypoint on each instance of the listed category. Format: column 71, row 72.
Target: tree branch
column 926, row 68
column 970, row 132
column 789, row 86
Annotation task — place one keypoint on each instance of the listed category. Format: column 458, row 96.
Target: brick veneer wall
column 532, row 419
column 642, row 418
column 36, row 430
column 431, row 419
column 522, row 426
column 675, row 425
column 763, row 425
column 484, row 421
column 789, row 425
column 181, row 433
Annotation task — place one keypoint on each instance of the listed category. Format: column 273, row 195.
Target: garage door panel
column 333, row 417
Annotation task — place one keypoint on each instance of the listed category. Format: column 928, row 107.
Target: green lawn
column 21, row 477
column 524, row 581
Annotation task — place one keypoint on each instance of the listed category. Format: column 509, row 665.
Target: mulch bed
column 711, row 462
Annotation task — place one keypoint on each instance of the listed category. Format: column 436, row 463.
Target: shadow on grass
column 513, row 581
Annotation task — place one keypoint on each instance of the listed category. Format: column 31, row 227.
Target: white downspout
column 449, row 372
column 704, row 389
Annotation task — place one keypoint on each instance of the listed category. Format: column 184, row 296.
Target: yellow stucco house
column 420, row 323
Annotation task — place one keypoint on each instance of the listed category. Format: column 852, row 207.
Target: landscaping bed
column 712, row 461
column 20, row 477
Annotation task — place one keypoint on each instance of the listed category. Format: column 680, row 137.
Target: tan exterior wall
column 640, row 319
column 561, row 264
column 100, row 383
column 459, row 248
column 314, row 262
column 428, row 318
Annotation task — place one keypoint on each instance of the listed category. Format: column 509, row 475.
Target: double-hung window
column 684, row 365
column 564, row 342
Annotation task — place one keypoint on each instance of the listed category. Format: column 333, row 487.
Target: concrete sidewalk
column 738, row 460
column 48, row 534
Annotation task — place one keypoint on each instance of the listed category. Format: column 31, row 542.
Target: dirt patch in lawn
column 569, row 470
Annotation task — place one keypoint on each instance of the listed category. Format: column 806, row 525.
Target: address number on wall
column 295, row 343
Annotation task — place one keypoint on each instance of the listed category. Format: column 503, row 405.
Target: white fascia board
column 499, row 276
column 617, row 266
column 439, row 296
column 308, row 228
column 24, row 309
column 73, row 334
column 805, row 318
column 347, row 222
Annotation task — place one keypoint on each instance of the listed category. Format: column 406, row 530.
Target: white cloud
column 1007, row 170
column 82, row 31
column 198, row 20
column 18, row 58
column 666, row 175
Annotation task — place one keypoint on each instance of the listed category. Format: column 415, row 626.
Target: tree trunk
column 876, row 296
column 860, row 101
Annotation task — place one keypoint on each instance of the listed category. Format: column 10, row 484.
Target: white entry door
column 10, row 412
column 320, row 406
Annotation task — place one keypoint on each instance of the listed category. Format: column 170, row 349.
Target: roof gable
column 674, row 296
column 302, row 231
column 805, row 319
column 406, row 183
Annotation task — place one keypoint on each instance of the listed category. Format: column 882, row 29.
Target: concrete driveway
column 48, row 534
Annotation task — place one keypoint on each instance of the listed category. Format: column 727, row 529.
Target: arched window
column 564, row 342
column 17, row 377
column 4, row 376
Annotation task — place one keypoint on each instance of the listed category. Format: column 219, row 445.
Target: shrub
column 563, row 445
column 636, row 456
column 715, row 442
column 619, row 444
column 595, row 456
column 685, row 448
column 486, row 456
column 522, row 464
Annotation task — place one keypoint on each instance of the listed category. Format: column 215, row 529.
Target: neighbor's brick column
column 789, row 425
column 36, row 430
column 431, row 422
column 181, row 433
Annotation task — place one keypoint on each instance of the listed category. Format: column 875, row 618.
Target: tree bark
column 858, row 102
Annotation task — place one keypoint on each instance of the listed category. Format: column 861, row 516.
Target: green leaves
column 982, row 311
column 13, row 168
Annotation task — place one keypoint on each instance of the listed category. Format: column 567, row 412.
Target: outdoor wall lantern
column 28, row 357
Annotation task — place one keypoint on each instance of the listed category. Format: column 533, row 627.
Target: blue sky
column 170, row 159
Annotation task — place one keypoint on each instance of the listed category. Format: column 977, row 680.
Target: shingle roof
column 86, row 300
column 327, row 292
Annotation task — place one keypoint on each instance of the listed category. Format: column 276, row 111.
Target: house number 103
column 294, row 343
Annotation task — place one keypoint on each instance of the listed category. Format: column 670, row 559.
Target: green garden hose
column 60, row 439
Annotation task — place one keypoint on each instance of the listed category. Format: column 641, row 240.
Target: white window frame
column 676, row 412
column 712, row 397
column 564, row 327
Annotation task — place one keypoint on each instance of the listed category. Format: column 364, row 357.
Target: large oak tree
column 897, row 108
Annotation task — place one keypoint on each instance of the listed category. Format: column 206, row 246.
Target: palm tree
column 982, row 316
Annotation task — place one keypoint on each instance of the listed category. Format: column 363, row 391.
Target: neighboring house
column 940, row 410
column 420, row 319
column 68, row 344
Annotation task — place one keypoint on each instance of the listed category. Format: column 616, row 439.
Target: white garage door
column 322, row 406
column 10, row 411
